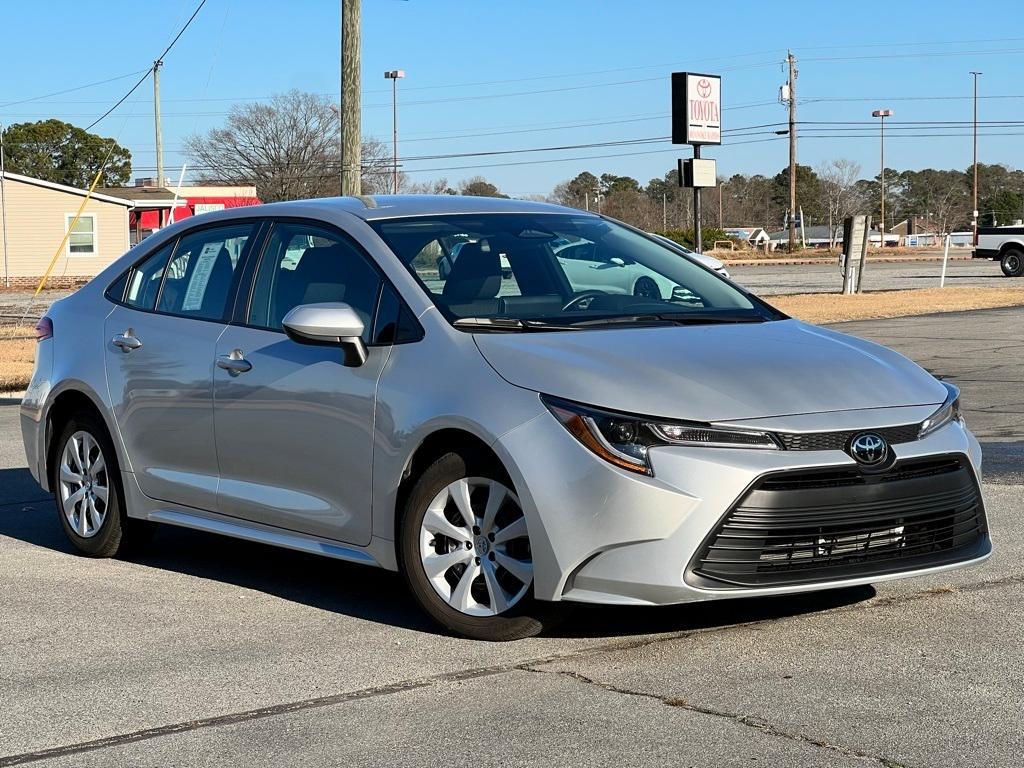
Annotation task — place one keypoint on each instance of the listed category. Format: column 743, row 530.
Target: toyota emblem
column 704, row 87
column 869, row 448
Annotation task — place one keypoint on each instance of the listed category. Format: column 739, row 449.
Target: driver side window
column 305, row 264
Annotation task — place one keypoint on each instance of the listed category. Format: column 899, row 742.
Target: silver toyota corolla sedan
column 299, row 374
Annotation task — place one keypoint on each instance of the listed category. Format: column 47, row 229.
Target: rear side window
column 305, row 264
column 201, row 275
column 144, row 279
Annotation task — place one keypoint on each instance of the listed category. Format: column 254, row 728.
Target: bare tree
column 838, row 184
column 288, row 147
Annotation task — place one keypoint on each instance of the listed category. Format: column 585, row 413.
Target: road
column 825, row 278
column 208, row 651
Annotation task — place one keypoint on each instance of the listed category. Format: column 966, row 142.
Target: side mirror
column 329, row 325
column 617, row 261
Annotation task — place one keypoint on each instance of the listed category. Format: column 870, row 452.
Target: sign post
column 855, row 245
column 696, row 120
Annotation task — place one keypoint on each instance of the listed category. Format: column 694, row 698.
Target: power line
column 71, row 90
column 148, row 71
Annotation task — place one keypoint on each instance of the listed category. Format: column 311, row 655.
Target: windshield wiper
column 495, row 324
column 699, row 318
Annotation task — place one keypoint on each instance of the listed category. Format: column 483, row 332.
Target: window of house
column 82, row 239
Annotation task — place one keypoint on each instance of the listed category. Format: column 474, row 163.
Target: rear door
column 294, row 426
column 159, row 349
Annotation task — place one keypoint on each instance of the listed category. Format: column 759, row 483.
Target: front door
column 294, row 426
column 159, row 347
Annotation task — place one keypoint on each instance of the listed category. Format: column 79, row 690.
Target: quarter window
column 144, row 281
column 82, row 237
column 202, row 272
column 304, row 264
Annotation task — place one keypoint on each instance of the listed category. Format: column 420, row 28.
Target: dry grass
column 17, row 354
column 834, row 307
column 17, row 357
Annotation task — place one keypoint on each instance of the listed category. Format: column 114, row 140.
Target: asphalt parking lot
column 888, row 276
column 205, row 650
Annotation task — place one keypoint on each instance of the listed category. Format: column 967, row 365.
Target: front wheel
column 87, row 486
column 465, row 553
column 646, row 288
column 1012, row 263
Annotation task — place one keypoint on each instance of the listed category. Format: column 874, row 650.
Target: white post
column 3, row 207
column 945, row 259
column 177, row 193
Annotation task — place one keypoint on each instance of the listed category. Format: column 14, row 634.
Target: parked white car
column 585, row 267
column 708, row 261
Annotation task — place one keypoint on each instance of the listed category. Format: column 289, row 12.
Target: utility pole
column 351, row 146
column 974, row 208
column 881, row 114
column 394, row 75
column 156, row 120
column 3, row 207
column 791, row 60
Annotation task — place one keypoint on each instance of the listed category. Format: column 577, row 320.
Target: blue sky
column 501, row 75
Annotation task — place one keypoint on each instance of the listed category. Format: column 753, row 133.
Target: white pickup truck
column 1004, row 244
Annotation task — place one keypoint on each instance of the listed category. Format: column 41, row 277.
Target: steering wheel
column 577, row 300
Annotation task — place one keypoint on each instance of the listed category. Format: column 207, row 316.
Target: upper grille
column 837, row 441
column 807, row 526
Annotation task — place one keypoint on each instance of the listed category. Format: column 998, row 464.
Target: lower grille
column 802, row 527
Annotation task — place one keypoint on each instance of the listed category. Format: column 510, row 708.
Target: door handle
column 234, row 363
column 126, row 341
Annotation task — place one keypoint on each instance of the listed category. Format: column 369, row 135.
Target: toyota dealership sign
column 696, row 108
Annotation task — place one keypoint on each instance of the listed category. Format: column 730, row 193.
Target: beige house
column 36, row 216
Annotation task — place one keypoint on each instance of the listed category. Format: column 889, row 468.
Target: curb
column 835, row 261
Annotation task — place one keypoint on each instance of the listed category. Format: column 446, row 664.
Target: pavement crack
column 749, row 721
column 529, row 665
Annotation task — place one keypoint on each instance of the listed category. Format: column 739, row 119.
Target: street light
column 974, row 208
column 882, row 114
column 394, row 75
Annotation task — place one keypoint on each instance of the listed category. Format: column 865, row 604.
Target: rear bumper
column 984, row 253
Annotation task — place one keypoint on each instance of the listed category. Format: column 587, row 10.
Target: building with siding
column 37, row 215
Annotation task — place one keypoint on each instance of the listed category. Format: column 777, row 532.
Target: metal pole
column 698, row 244
column 394, row 131
column 974, row 207
column 792, row 151
column 156, row 120
column 664, row 212
column 945, row 259
column 351, row 147
column 3, row 207
column 881, row 223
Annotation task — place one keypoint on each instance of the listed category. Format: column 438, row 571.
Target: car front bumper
column 604, row 535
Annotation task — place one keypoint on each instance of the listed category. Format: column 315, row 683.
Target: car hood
column 708, row 261
column 712, row 372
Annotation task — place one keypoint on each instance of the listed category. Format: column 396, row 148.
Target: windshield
column 510, row 271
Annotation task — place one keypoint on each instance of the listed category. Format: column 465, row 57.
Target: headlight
column 950, row 411
column 624, row 440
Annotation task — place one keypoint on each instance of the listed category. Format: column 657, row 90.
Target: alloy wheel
column 84, row 484
column 474, row 547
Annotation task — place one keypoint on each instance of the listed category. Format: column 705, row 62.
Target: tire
column 645, row 287
column 420, row 539
column 114, row 532
column 1012, row 263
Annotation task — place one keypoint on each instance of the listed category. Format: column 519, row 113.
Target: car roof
column 373, row 207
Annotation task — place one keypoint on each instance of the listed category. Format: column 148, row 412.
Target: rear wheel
column 1012, row 263
column 465, row 552
column 86, row 484
column 645, row 287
